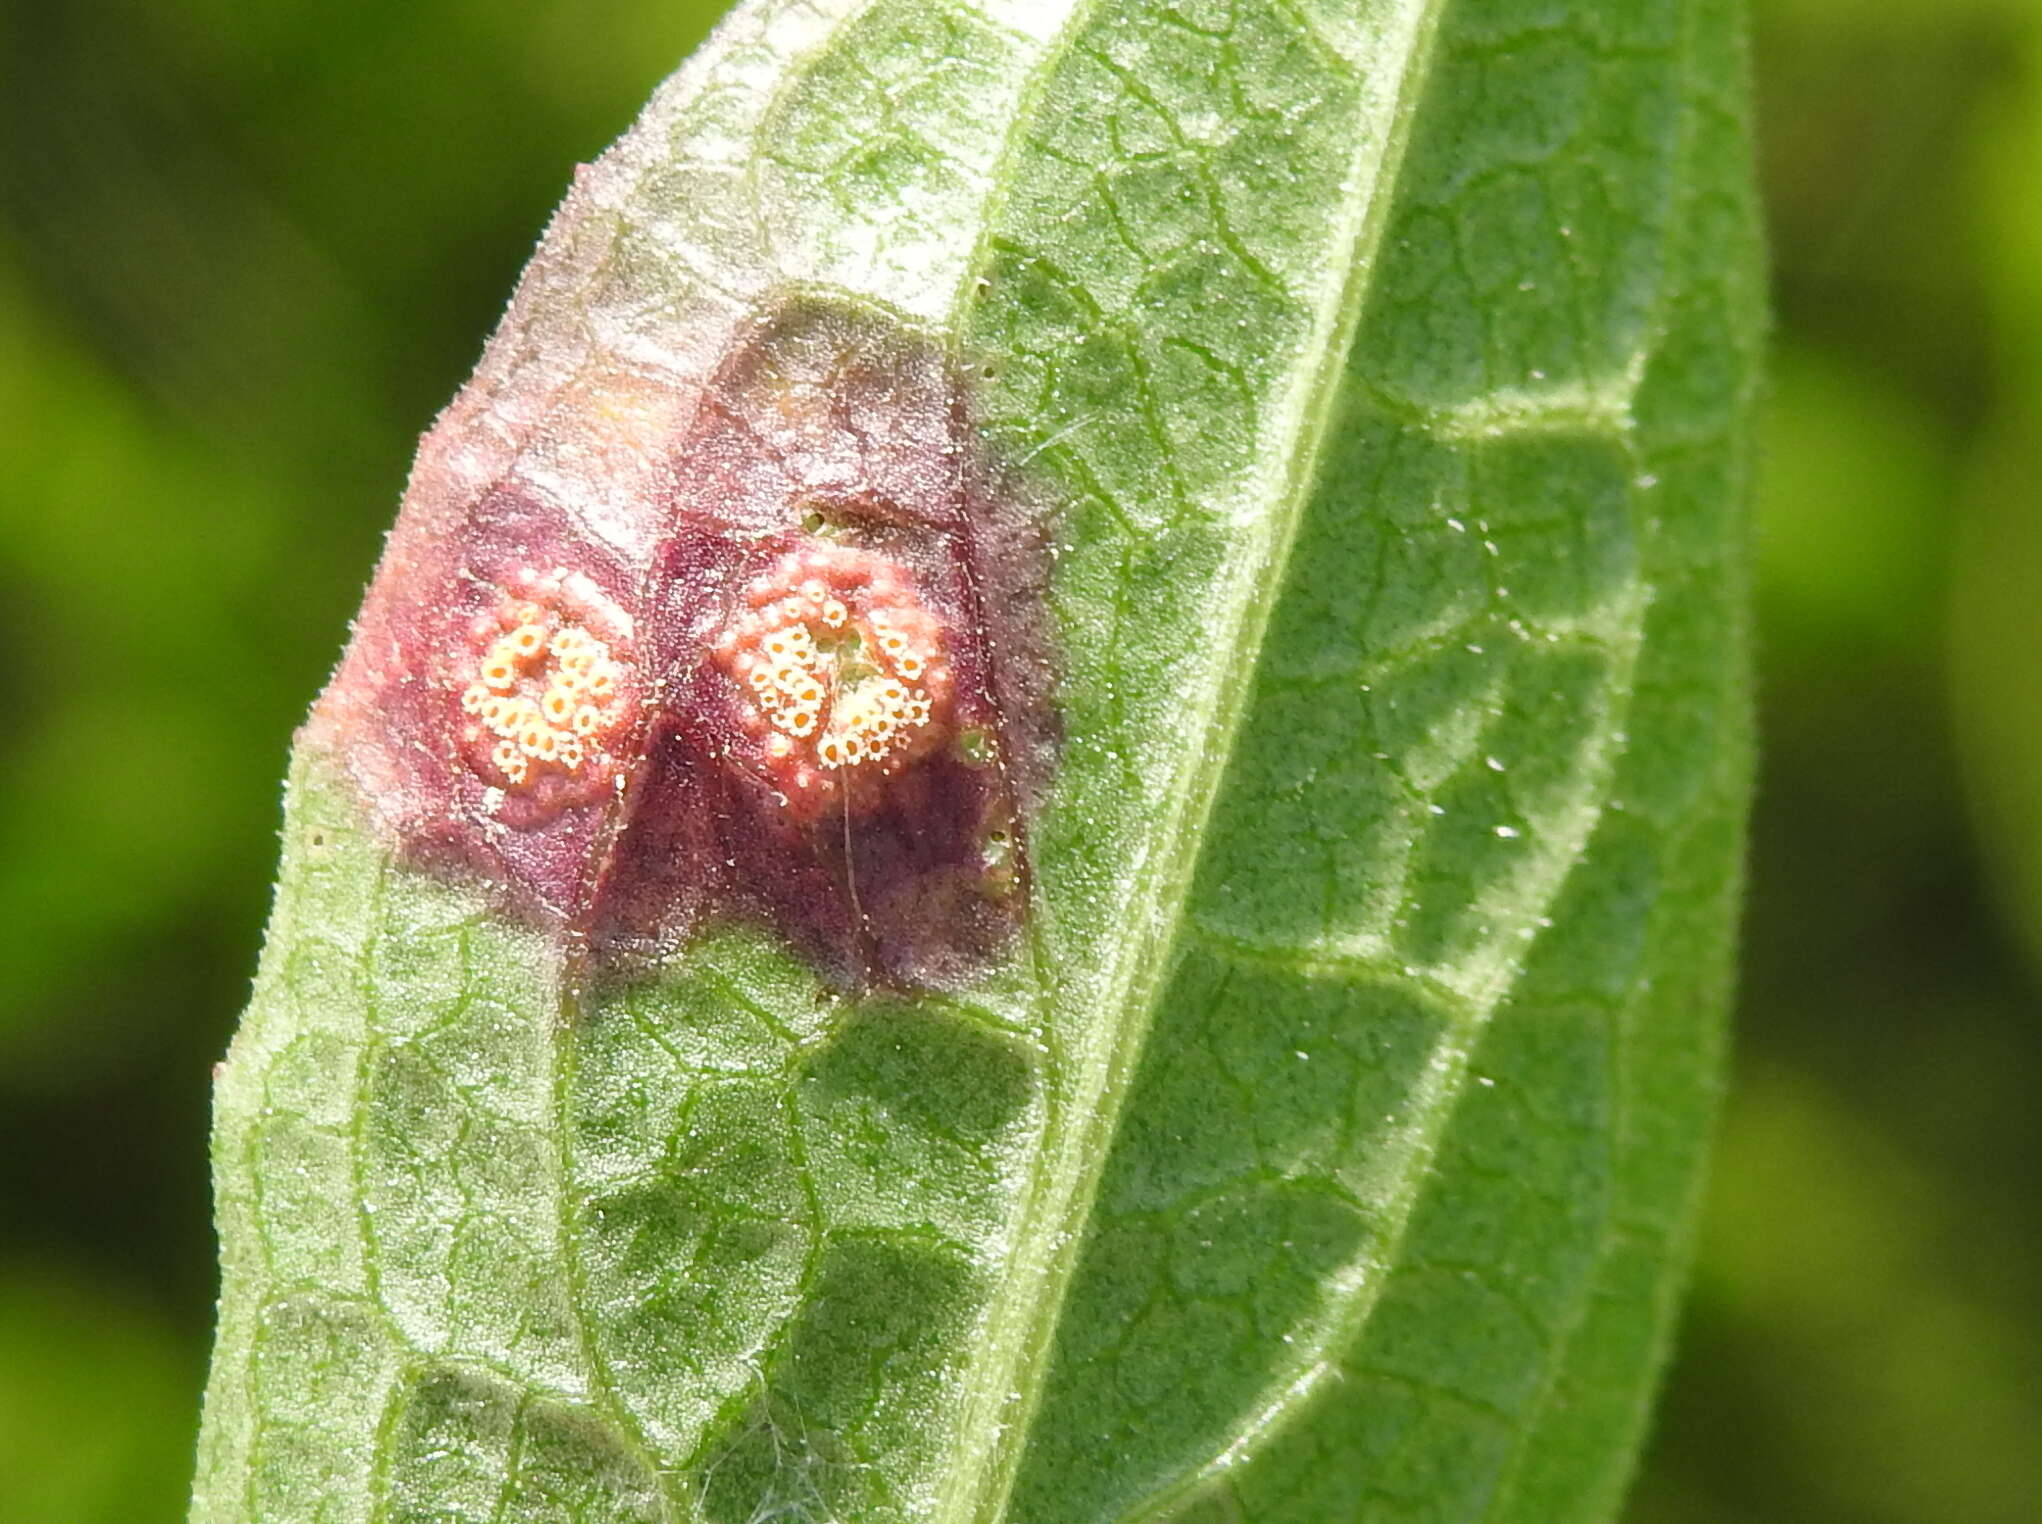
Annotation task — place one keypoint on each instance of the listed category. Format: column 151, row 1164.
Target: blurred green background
column 247, row 249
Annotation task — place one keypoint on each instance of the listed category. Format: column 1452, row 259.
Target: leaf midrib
column 1021, row 1323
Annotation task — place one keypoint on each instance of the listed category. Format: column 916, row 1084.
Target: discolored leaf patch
column 812, row 689
column 839, row 542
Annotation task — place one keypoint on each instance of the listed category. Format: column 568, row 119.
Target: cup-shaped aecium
column 551, row 693
column 840, row 677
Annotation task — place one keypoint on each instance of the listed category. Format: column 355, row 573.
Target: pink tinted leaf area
column 811, row 688
column 394, row 711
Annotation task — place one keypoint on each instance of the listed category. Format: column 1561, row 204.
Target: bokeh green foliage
column 1867, row 1325
column 245, row 252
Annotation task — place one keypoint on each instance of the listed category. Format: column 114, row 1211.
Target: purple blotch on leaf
column 811, row 687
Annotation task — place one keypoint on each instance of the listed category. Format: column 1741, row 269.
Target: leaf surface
column 1325, row 1148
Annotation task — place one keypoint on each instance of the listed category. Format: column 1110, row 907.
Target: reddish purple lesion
column 810, row 689
column 903, row 868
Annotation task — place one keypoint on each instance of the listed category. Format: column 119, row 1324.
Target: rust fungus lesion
column 839, row 675
column 800, row 678
column 549, row 690
column 854, row 722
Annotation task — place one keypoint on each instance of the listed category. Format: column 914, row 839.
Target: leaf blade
column 739, row 1247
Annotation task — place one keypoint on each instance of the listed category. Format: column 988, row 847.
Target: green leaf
column 1325, row 1146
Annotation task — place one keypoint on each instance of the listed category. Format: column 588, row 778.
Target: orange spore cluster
column 841, row 674
column 548, row 688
